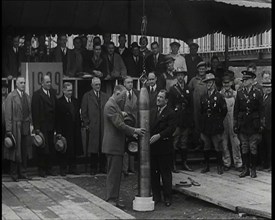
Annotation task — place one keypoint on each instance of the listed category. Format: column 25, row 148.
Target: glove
column 236, row 130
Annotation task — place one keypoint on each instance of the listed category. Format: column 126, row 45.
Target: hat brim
column 12, row 140
column 206, row 80
column 43, row 141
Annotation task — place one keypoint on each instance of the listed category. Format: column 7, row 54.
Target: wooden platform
column 54, row 198
column 242, row 195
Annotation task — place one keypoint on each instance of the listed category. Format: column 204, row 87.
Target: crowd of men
column 190, row 107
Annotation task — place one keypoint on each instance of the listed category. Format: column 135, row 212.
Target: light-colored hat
column 202, row 63
column 9, row 141
column 61, row 144
column 266, row 83
column 39, row 140
column 180, row 70
column 208, row 77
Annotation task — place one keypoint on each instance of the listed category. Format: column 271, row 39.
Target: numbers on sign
column 39, row 78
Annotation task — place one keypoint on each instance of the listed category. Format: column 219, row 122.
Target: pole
column 129, row 23
column 226, row 58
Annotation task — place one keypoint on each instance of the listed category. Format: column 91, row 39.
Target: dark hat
column 131, row 145
column 248, row 74
column 266, row 83
column 130, row 120
column 134, row 45
column 9, row 141
column 168, row 59
column 208, row 77
column 202, row 63
column 227, row 79
column 60, row 144
column 175, row 44
column 180, row 70
column 39, row 140
column 193, row 45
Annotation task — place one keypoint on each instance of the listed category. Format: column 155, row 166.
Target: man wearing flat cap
column 266, row 141
column 230, row 95
column 249, row 121
column 17, row 123
column 179, row 58
column 192, row 59
column 213, row 112
column 181, row 102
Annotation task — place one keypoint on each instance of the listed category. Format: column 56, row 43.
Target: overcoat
column 92, row 116
column 44, row 113
column 267, row 112
column 151, row 67
column 14, row 122
column 165, row 125
column 68, row 124
column 114, row 129
column 12, row 61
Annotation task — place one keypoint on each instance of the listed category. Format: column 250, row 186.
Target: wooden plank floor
column 54, row 198
column 243, row 195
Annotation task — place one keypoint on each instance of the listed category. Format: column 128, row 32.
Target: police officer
column 180, row 101
column 248, row 121
column 213, row 112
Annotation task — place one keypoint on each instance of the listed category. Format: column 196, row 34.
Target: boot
column 253, row 165
column 245, row 171
column 206, row 159
column 184, row 160
column 220, row 163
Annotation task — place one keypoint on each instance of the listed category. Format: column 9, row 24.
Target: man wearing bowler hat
column 181, row 102
column 213, row 112
column 230, row 95
column 249, row 121
column 17, row 123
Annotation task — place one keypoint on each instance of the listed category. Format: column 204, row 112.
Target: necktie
column 155, row 59
column 48, row 93
column 69, row 100
column 129, row 95
column 152, row 89
column 97, row 93
column 159, row 111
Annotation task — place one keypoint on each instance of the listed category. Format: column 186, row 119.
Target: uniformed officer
column 213, row 112
column 180, row 101
column 248, row 121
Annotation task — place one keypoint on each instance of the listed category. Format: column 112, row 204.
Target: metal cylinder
column 144, row 186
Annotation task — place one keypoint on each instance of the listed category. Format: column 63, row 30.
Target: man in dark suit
column 114, row 142
column 12, row 58
column 43, row 115
column 60, row 52
column 162, row 127
column 134, row 62
column 122, row 50
column 92, row 106
column 154, row 62
column 153, row 89
column 68, row 124
column 192, row 59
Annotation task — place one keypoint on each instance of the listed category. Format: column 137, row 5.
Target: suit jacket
column 57, row 56
column 126, row 53
column 150, row 65
column 267, row 112
column 90, row 64
column 68, row 124
column 92, row 116
column 192, row 70
column 12, row 62
column 134, row 69
column 132, row 106
column 114, row 129
column 153, row 97
column 116, row 67
column 165, row 125
column 75, row 63
column 14, row 123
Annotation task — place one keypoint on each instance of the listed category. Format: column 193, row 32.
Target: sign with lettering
column 34, row 72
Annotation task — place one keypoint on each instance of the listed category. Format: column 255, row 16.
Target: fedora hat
column 248, row 74
column 180, row 70
column 9, row 141
column 39, row 140
column 266, row 83
column 208, row 77
column 168, row 59
column 132, row 145
column 61, row 144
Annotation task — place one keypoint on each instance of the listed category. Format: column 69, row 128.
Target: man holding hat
column 248, row 121
column 213, row 112
column 192, row 59
column 17, row 122
column 167, row 78
column 230, row 95
column 181, row 101
column 179, row 58
column 266, row 142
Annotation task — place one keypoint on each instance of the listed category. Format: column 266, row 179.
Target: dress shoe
column 42, row 173
column 120, row 205
column 220, row 170
column 15, row 178
column 226, row 168
column 167, row 203
column 205, row 169
column 24, row 176
column 175, row 171
column 244, row 173
column 186, row 167
column 253, row 173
